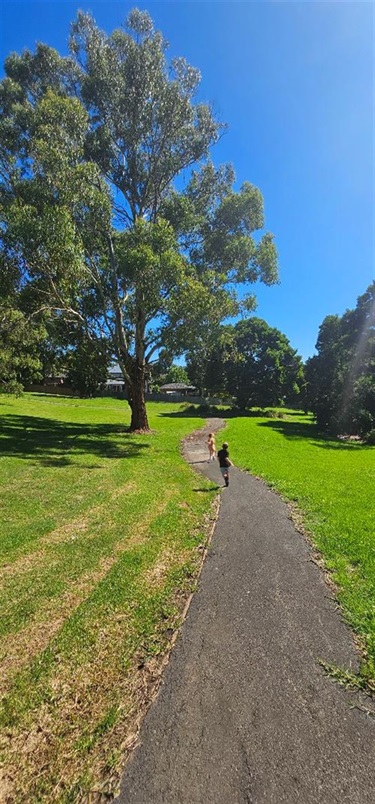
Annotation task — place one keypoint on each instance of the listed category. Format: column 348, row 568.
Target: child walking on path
column 224, row 462
column 211, row 447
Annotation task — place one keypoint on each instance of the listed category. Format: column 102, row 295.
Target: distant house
column 115, row 373
column 115, row 381
column 55, row 380
column 114, row 385
column 177, row 388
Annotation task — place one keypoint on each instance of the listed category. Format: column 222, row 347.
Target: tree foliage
column 90, row 148
column 20, row 338
column 88, row 365
column 252, row 362
column 19, row 359
column 177, row 374
column 341, row 377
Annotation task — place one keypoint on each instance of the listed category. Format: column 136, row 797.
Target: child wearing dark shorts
column 224, row 462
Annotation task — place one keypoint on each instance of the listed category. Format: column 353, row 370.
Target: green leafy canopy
column 91, row 146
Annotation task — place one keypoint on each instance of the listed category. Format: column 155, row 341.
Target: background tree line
column 248, row 364
column 340, row 379
column 256, row 365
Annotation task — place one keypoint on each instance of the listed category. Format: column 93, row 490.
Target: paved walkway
column 245, row 713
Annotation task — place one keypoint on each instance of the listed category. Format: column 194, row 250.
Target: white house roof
column 177, row 386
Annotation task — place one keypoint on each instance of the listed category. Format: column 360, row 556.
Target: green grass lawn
column 332, row 484
column 101, row 540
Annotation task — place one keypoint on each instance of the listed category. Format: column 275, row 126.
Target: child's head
column 210, row 435
column 225, row 445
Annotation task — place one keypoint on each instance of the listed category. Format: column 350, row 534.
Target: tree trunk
column 137, row 403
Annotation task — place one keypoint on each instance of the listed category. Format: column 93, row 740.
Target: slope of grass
column 333, row 484
column 100, row 543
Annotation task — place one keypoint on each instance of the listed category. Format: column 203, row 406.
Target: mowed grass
column 101, row 539
column 332, row 483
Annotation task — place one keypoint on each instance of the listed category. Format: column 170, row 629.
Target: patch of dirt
column 197, row 441
column 5, row 788
column 156, row 574
column 128, row 488
column 140, row 431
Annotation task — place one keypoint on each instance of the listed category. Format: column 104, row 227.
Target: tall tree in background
column 269, row 371
column 19, row 341
column 341, row 377
column 325, row 372
column 254, row 363
column 176, row 374
column 90, row 146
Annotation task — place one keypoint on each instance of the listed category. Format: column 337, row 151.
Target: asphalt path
column 245, row 713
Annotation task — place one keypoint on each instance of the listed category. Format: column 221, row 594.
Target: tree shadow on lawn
column 227, row 413
column 210, row 414
column 305, row 431
column 56, row 443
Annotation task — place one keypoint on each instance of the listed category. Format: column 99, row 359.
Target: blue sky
column 295, row 83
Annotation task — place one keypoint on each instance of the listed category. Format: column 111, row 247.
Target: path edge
column 129, row 745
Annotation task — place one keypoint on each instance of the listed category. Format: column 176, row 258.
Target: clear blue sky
column 295, row 83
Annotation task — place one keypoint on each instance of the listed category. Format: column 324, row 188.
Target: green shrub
column 370, row 438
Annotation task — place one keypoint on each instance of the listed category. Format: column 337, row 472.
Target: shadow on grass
column 206, row 491
column 306, row 430
column 212, row 414
column 309, row 432
column 56, row 443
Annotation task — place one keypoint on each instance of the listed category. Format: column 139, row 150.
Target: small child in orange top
column 211, row 447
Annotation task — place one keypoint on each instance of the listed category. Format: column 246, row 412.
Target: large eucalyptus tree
column 91, row 146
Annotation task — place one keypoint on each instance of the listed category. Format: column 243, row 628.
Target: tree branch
column 149, row 354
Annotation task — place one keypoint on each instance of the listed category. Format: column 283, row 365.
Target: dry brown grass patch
column 155, row 575
column 20, row 648
column 67, row 741
column 66, row 732
column 64, row 533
